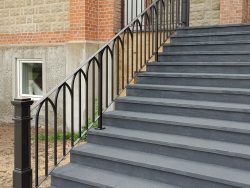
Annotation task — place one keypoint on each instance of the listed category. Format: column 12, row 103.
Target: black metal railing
column 62, row 118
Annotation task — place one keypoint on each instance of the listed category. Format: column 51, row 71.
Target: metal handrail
column 112, row 68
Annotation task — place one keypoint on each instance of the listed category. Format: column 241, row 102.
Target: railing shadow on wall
column 62, row 118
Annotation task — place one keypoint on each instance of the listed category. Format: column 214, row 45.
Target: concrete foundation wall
column 59, row 60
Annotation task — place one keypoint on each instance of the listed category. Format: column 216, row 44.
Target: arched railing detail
column 79, row 101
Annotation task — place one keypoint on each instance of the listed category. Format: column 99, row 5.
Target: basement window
column 30, row 78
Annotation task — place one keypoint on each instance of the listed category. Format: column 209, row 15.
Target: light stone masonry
column 204, row 12
column 21, row 16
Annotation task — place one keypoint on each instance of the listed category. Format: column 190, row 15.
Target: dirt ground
column 7, row 156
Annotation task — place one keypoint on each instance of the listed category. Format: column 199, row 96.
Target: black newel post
column 185, row 13
column 22, row 174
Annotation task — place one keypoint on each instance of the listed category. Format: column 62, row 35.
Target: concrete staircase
column 185, row 123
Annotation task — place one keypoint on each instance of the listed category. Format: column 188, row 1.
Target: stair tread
column 200, row 170
column 198, row 63
column 196, row 75
column 191, row 88
column 104, row 178
column 212, row 34
column 172, row 140
column 207, row 43
column 205, row 123
column 206, row 53
column 214, row 26
column 245, row 108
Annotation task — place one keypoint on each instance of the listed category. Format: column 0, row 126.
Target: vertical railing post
column 100, row 89
column 157, row 31
column 22, row 173
column 185, row 13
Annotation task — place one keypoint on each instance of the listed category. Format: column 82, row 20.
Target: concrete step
column 195, row 79
column 196, row 149
column 81, row 176
column 218, row 94
column 206, row 56
column 205, row 37
column 160, row 168
column 188, row 108
column 221, row 130
column 200, row 67
column 214, row 29
column 208, row 46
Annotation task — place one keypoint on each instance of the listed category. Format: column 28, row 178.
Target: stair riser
column 204, row 58
column 210, row 38
column 189, row 95
column 184, row 111
column 148, row 173
column 172, row 151
column 215, row 82
column 199, row 69
column 219, row 47
column 214, row 30
column 60, row 183
column 178, row 129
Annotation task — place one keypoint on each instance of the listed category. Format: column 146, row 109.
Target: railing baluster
column 87, row 103
column 128, row 60
column 36, row 152
column 80, row 105
column 55, row 136
column 137, row 50
column 64, row 120
column 100, row 90
column 127, row 12
column 118, row 69
column 93, row 91
column 136, row 8
column 107, row 80
column 141, row 26
column 72, row 119
column 46, row 137
column 112, row 76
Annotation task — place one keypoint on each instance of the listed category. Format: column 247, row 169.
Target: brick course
column 51, row 21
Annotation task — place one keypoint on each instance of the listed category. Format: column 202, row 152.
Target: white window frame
column 19, row 77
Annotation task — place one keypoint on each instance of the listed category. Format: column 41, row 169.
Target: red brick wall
column 234, row 11
column 92, row 20
column 110, row 18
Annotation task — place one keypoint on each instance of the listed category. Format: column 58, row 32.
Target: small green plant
column 51, row 137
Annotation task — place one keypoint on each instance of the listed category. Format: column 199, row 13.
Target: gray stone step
column 208, row 46
column 196, row 149
column 80, row 176
column 200, row 67
column 204, row 37
column 214, row 29
column 206, row 56
column 161, row 168
column 215, row 110
column 233, row 95
column 221, row 130
column 195, row 79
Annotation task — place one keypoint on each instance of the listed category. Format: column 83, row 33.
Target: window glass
column 32, row 79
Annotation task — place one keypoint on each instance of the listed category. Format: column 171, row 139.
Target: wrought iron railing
column 63, row 117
